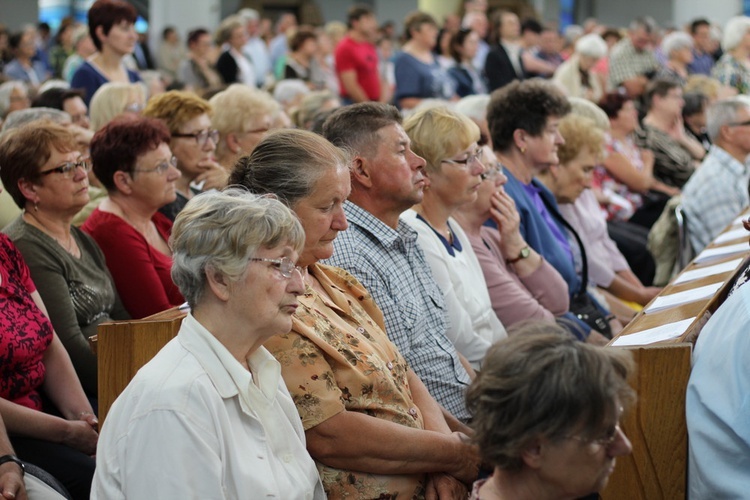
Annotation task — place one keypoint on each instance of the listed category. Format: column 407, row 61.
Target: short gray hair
column 734, row 31
column 723, row 113
column 591, row 45
column 6, row 89
column 675, row 41
column 474, row 106
column 24, row 116
column 220, row 231
column 288, row 163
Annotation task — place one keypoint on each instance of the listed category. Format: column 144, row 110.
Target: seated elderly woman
column 547, row 415
column 371, row 425
column 569, row 182
column 46, row 412
column 242, row 115
column 575, row 77
column 447, row 140
column 214, row 393
column 678, row 48
column 521, row 284
column 14, row 95
column 47, row 178
column 131, row 158
column 193, row 143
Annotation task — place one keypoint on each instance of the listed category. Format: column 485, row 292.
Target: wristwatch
column 525, row 252
column 12, row 458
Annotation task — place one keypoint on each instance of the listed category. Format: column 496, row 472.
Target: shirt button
column 389, row 365
column 413, row 412
column 360, row 329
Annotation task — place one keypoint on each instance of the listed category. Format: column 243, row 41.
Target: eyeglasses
column 471, row 158
column 605, row 441
column 285, row 265
column 68, row 169
column 739, row 124
column 257, row 131
column 491, row 172
column 161, row 168
column 135, row 107
column 202, row 136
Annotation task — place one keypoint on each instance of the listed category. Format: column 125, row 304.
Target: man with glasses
column 382, row 252
column 718, row 191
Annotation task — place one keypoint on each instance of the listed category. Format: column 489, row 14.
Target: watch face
column 525, row 252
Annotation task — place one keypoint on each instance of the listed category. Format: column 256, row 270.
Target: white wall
column 16, row 13
column 715, row 11
column 183, row 15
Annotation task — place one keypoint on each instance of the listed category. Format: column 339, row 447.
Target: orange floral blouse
column 337, row 357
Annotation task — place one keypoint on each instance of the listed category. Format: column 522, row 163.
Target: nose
column 621, row 445
column 500, row 179
column 296, row 284
column 174, row 172
column 559, row 139
column 477, row 167
column 417, row 161
column 210, row 144
column 339, row 221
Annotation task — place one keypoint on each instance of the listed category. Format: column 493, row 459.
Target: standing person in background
column 171, row 53
column 477, row 22
column 467, row 79
column 255, row 48
column 113, row 34
column 233, row 65
column 83, row 48
column 63, row 47
column 357, row 58
column 23, row 67
column 278, row 45
column 504, row 63
column 301, row 62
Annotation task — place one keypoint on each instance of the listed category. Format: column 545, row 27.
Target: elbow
column 321, row 445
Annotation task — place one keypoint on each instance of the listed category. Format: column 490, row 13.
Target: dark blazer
column 462, row 80
column 227, row 67
column 498, row 68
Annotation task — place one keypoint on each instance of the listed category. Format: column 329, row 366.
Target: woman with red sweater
column 132, row 159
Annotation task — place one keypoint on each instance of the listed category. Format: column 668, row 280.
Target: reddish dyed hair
column 612, row 103
column 117, row 145
column 107, row 13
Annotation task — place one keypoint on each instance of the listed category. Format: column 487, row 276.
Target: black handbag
column 582, row 304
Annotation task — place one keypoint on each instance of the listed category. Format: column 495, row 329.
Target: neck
column 515, row 162
column 435, row 212
column 469, row 220
column 387, row 215
column 618, row 133
column 183, row 184
column 740, row 53
column 658, row 120
column 133, row 212
column 107, row 59
column 218, row 318
column 25, row 61
column 56, row 227
column 737, row 153
column 548, row 181
column 523, row 485
column 358, row 36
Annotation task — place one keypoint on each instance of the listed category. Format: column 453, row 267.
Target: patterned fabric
column 625, row 62
column 733, row 73
column 603, row 180
column 673, row 164
column 338, row 358
column 714, row 196
column 392, row 267
column 26, row 331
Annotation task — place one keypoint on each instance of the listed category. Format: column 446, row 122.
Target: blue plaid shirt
column 392, row 267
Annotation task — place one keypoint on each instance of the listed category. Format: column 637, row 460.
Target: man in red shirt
column 357, row 57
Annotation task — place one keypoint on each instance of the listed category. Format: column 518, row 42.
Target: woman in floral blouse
column 370, row 424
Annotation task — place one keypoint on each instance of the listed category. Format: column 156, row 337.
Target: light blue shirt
column 718, row 404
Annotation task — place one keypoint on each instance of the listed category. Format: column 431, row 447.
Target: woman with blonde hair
column 243, row 116
column 114, row 99
column 447, row 140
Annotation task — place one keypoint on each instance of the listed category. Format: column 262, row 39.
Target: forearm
column 355, row 441
column 61, row 383
column 352, row 88
column 623, row 289
column 23, row 421
column 692, row 146
column 432, row 412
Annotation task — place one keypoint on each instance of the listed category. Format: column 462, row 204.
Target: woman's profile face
column 576, row 466
column 575, row 176
column 542, row 149
column 121, row 38
column 153, row 185
column 322, row 214
column 62, row 193
column 494, row 180
column 457, row 178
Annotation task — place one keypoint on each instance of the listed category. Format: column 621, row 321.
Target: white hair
column 474, row 106
column 734, row 32
column 675, row 41
column 591, row 45
column 6, row 89
column 287, row 91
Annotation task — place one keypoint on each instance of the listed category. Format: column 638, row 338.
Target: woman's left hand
column 213, row 175
column 503, row 211
column 444, row 486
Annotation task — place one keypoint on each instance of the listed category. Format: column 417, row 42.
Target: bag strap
column 584, row 262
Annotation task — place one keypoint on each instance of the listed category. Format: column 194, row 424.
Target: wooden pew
column 657, row 468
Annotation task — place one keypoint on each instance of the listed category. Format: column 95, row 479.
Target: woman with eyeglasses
column 521, row 284
column 370, row 424
column 547, row 413
column 132, row 159
column 447, row 140
column 48, row 179
column 209, row 416
column 48, row 416
column 193, row 143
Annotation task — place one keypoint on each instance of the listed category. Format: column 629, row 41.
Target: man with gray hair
column 718, row 191
column 632, row 62
column 382, row 252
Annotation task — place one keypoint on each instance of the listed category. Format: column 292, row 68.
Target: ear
column 123, row 182
column 232, row 143
column 519, row 139
column 99, row 32
column 218, row 284
column 533, row 455
column 28, row 190
column 362, row 171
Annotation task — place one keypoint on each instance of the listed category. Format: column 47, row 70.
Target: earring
column 36, row 206
column 523, row 150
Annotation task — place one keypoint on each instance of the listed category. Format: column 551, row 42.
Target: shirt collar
column 729, row 161
column 385, row 234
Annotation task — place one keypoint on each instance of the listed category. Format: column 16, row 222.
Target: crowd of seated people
column 349, row 282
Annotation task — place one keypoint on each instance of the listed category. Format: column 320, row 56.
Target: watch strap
column 12, row 458
column 525, row 252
